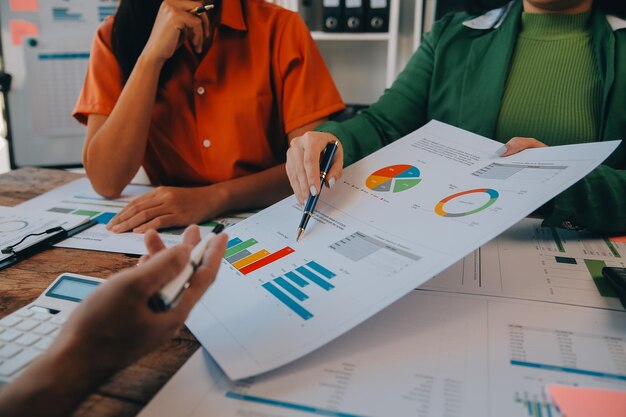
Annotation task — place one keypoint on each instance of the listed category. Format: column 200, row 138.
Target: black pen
column 325, row 163
column 201, row 9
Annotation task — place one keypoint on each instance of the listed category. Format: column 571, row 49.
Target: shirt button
column 200, row 90
column 206, row 143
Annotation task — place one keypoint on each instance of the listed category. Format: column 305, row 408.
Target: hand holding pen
column 325, row 164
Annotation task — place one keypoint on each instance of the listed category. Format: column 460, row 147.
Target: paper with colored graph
column 79, row 199
column 539, row 263
column 393, row 221
column 430, row 354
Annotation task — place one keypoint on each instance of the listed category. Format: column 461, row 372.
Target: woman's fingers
column 518, row 144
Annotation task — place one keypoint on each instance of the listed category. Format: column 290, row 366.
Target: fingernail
column 501, row 150
column 313, row 190
column 331, row 182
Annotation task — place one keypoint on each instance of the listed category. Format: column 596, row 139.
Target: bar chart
column 290, row 288
column 522, row 172
column 246, row 256
column 537, row 406
column 376, row 254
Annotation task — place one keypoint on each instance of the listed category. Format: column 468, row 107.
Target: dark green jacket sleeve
column 399, row 111
column 598, row 201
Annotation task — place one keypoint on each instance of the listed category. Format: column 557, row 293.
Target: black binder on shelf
column 378, row 15
column 311, row 12
column 355, row 15
column 333, row 16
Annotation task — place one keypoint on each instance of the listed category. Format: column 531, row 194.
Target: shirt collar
column 233, row 15
column 494, row 18
column 615, row 22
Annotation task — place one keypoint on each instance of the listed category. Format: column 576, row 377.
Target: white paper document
column 393, row 221
column 16, row 224
column 79, row 199
column 430, row 354
column 538, row 263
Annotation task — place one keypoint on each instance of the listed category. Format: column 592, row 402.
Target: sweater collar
column 493, row 19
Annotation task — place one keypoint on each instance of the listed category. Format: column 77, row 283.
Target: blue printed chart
column 291, row 289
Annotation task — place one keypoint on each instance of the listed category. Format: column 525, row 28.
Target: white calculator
column 26, row 333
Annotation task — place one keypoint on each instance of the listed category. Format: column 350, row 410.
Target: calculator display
column 72, row 288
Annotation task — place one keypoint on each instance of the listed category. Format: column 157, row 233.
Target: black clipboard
column 43, row 244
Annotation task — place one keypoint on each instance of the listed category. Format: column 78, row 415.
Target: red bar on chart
column 267, row 260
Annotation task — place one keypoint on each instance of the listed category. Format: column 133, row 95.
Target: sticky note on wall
column 21, row 29
column 24, row 5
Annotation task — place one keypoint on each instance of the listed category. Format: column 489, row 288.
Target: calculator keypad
column 24, row 335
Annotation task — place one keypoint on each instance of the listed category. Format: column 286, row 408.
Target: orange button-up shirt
column 229, row 114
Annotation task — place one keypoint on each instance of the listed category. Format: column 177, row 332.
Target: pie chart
column 394, row 178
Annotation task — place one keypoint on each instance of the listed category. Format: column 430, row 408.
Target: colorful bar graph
column 239, row 247
column 251, row 259
column 314, row 278
column 291, row 289
column 266, row 260
column 241, row 255
column 319, row 268
column 286, row 300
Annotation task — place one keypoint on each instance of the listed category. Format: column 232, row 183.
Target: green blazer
column 458, row 76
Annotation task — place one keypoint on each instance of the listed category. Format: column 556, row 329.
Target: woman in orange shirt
column 206, row 104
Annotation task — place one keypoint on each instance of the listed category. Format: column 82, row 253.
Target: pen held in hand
column 325, row 164
column 201, row 9
column 169, row 296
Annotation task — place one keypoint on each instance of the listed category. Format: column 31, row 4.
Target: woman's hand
column 168, row 207
column 518, row 144
column 173, row 23
column 303, row 163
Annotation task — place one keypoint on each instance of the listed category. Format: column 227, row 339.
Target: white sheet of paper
column 429, row 354
column 393, row 221
column 17, row 223
column 537, row 263
column 78, row 198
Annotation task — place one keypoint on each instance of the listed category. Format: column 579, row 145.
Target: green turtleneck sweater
column 553, row 91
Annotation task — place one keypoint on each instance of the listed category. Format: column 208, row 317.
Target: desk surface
column 128, row 391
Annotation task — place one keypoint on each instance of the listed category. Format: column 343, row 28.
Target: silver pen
column 170, row 295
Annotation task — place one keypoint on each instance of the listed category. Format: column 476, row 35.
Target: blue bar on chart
column 319, row 268
column 570, row 370
column 314, row 278
column 233, row 242
column 283, row 404
column 286, row 300
column 296, row 279
column 282, row 282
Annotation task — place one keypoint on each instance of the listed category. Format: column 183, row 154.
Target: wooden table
column 129, row 390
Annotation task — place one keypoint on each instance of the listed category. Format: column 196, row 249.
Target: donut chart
column 394, row 178
column 12, row 226
column 491, row 193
